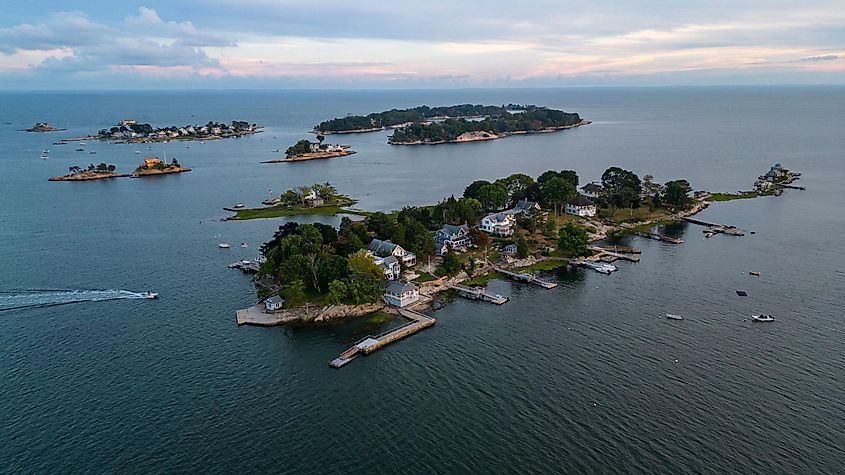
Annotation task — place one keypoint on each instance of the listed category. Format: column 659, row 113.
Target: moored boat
column 674, row 317
column 762, row 318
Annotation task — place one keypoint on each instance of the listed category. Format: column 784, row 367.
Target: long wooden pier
column 417, row 321
column 477, row 293
column 652, row 235
column 524, row 277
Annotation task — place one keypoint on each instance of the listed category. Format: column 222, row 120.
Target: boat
column 92, row 152
column 224, row 245
column 762, row 318
column 46, row 150
column 244, row 245
column 81, row 143
column 674, row 317
column 80, row 150
column 137, row 151
column 151, row 295
column 276, row 151
column 742, row 293
column 755, row 273
column 45, row 157
column 238, row 206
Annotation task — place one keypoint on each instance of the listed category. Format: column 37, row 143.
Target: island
column 517, row 227
column 155, row 166
column 455, row 124
column 315, row 199
column 306, row 150
column 131, row 131
column 43, row 127
column 98, row 172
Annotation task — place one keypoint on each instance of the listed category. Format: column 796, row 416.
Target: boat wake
column 33, row 298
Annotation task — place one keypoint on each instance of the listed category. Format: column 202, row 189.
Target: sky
column 423, row 44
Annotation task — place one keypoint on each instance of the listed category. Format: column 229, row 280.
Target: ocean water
column 583, row 378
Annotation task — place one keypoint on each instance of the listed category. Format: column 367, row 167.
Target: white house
column 501, row 224
column 581, row 206
column 387, row 248
column 451, row 237
column 391, row 266
column 591, row 190
column 273, row 304
column 401, row 294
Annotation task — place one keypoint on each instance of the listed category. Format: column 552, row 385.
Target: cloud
column 812, row 59
column 148, row 23
column 59, row 30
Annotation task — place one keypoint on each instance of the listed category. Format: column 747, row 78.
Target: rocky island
column 43, row 127
column 455, row 124
column 130, row 131
column 155, row 166
column 306, row 150
column 98, row 172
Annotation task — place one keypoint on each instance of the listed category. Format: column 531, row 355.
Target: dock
column 528, row 278
column 602, row 252
column 712, row 229
column 477, row 293
column 250, row 267
column 620, row 249
column 652, row 235
column 417, row 321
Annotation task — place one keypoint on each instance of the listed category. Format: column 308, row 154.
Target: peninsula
column 455, row 124
column 155, row 166
column 130, row 131
column 306, row 150
column 315, row 199
column 43, row 127
column 98, row 172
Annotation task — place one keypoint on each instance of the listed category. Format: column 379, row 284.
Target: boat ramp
column 416, row 321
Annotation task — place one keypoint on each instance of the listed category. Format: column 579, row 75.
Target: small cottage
column 273, row 304
column 401, row 294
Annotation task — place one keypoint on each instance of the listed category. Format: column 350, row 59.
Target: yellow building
column 152, row 162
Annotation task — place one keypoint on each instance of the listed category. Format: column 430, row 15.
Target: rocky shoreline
column 152, row 172
column 480, row 136
column 311, row 156
column 88, row 176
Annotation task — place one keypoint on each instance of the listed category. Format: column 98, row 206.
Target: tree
column 556, row 191
column 294, row 293
column 364, row 269
column 320, row 138
column 380, row 224
column 521, row 247
column 516, row 185
column 451, row 264
column 337, row 291
column 492, row 196
column 480, row 238
column 621, row 188
column 573, row 240
column 569, row 175
column 471, row 191
column 111, row 168
column 677, row 194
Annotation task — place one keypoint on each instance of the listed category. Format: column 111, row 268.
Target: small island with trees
column 44, row 127
column 455, row 124
column 155, row 166
column 306, row 150
column 131, row 131
column 315, row 199
column 93, row 172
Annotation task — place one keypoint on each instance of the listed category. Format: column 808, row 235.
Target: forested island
column 130, row 131
column 453, row 124
column 319, row 198
column 44, row 127
column 155, row 166
column 93, row 172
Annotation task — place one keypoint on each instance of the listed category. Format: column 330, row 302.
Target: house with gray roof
column 273, row 304
column 386, row 248
column 591, row 190
column 451, row 236
column 401, row 294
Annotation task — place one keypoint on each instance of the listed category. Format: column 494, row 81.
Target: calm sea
column 583, row 378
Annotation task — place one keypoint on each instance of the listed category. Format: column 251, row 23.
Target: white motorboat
column 674, row 317
column 224, row 245
column 762, row 318
column 151, row 295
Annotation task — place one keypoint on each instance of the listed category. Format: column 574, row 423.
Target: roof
column 391, row 260
column 381, row 247
column 592, row 188
column 454, row 229
column 275, row 299
column 580, row 200
column 396, row 287
column 524, row 206
column 498, row 217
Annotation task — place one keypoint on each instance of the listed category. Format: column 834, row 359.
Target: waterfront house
column 581, row 206
column 500, row 224
column 387, row 248
column 451, row 236
column 591, row 190
column 525, row 207
column 401, row 294
column 273, row 304
column 152, row 162
column 510, row 249
column 390, row 265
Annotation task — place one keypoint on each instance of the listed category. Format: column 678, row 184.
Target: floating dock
column 712, row 229
column 659, row 237
column 417, row 321
column 250, row 267
column 477, row 293
column 529, row 278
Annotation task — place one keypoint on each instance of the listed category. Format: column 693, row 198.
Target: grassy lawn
column 626, row 215
column 424, row 277
column 482, row 280
column 547, row 265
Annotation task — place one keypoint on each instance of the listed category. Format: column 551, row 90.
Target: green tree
column 492, row 196
column 521, row 247
column 556, row 191
column 451, row 264
column 573, row 240
column 471, row 191
column 337, row 292
column 677, row 194
column 621, row 188
column 364, row 269
column 294, row 293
